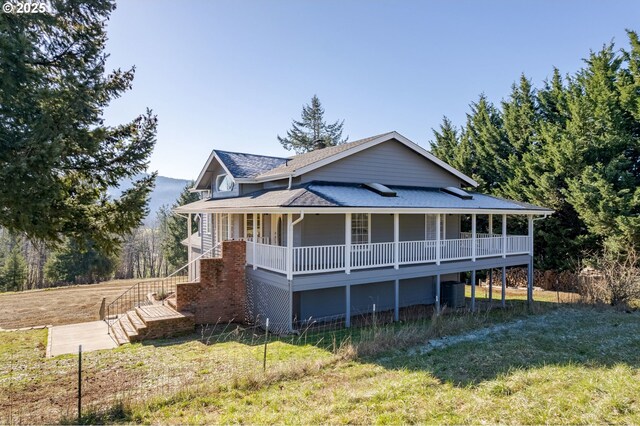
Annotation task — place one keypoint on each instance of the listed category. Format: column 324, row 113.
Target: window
column 224, row 227
column 430, row 226
column 224, row 183
column 360, row 228
column 250, row 231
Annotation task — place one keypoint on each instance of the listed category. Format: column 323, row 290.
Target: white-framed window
column 430, row 227
column 224, row 226
column 360, row 228
column 224, row 183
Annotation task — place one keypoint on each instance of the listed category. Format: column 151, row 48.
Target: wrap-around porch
column 275, row 244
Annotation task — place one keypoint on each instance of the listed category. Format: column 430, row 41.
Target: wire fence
column 39, row 390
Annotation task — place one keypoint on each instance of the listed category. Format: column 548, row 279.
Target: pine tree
column 446, row 143
column 57, row 157
column 312, row 132
column 13, row 276
column 484, row 147
column 79, row 263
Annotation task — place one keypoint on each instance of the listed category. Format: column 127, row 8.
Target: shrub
column 614, row 279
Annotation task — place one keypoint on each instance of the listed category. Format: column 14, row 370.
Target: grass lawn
column 566, row 365
column 561, row 364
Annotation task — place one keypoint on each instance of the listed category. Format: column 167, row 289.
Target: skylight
column 457, row 192
column 379, row 189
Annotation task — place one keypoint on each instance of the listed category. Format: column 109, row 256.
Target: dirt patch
column 58, row 306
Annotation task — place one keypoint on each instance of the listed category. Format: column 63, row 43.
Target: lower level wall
column 331, row 302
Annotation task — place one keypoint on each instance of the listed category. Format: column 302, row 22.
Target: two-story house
column 332, row 232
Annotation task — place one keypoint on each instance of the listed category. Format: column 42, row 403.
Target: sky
column 232, row 75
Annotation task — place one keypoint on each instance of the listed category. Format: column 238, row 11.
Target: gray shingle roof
column 248, row 165
column 302, row 160
column 321, row 194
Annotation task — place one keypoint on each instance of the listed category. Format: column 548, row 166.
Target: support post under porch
column 473, row 290
column 396, row 307
column 438, row 294
column 530, row 265
column 347, row 318
column 504, row 286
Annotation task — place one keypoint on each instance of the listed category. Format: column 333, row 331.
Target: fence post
column 266, row 339
column 80, row 384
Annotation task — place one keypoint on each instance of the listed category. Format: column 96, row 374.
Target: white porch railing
column 330, row 258
column 313, row 259
column 371, row 255
column 273, row 258
column 416, row 251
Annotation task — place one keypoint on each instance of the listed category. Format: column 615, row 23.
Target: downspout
column 289, row 187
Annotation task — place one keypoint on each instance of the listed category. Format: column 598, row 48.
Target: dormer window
column 224, row 183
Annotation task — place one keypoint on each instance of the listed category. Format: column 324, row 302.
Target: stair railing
column 156, row 292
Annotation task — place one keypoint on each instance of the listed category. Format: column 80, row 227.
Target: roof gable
column 307, row 162
column 237, row 164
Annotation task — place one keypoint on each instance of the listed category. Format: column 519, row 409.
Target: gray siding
column 412, row 227
column 316, row 304
column 364, row 296
column 322, row 229
column 417, row 291
column 389, row 163
column 381, row 228
column 453, row 226
column 207, row 237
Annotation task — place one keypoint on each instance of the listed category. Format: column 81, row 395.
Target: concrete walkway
column 65, row 339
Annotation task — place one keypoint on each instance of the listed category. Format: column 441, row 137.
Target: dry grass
column 59, row 305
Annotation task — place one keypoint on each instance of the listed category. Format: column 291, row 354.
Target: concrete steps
column 151, row 322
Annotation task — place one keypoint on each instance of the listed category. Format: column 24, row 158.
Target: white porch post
column 504, row 286
column 438, row 248
column 490, row 225
column 530, row 266
column 504, row 236
column 347, row 245
column 473, row 237
column 245, row 227
column 437, row 294
column 289, row 246
column 347, row 320
column 473, row 290
column 396, row 239
column 190, row 271
column 255, row 238
column 396, row 309
column 229, row 226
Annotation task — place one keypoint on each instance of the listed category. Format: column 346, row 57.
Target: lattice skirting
column 265, row 300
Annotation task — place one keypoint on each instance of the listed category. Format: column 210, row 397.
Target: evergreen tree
column 13, row 276
column 485, row 146
column 57, row 157
column 446, row 143
column 79, row 263
column 312, row 132
column 175, row 230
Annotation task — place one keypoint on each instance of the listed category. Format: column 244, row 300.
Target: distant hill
column 166, row 192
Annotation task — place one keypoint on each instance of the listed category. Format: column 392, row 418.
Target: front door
column 277, row 230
